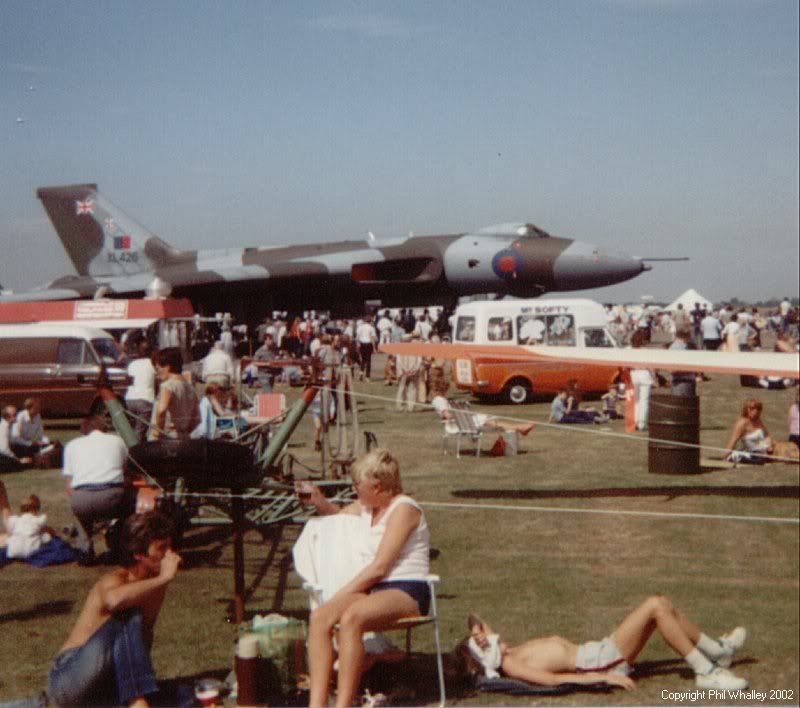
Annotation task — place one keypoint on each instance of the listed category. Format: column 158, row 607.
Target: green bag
column 282, row 648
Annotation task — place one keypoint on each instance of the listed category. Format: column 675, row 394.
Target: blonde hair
column 31, row 505
column 751, row 403
column 381, row 466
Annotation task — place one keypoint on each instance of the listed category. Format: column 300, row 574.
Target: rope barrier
column 345, row 389
column 544, row 509
column 616, row 512
column 580, row 429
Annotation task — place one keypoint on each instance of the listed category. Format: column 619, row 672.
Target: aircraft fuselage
column 111, row 251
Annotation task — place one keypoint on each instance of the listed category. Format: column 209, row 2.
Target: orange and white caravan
column 580, row 323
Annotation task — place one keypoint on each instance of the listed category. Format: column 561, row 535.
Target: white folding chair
column 465, row 426
column 406, row 624
column 321, row 561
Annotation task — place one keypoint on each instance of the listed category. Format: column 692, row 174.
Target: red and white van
column 578, row 323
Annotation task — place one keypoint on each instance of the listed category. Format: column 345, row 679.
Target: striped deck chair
column 465, row 426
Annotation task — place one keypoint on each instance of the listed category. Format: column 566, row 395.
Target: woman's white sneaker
column 721, row 679
column 731, row 643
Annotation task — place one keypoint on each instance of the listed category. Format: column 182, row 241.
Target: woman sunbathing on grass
column 551, row 661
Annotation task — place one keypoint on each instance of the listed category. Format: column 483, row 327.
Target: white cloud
column 373, row 26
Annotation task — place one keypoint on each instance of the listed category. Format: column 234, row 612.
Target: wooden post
column 237, row 509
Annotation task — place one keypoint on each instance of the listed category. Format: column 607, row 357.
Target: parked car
column 59, row 364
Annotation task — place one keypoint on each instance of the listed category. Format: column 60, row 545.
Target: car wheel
column 517, row 391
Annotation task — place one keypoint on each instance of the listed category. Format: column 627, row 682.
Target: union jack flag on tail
column 84, row 207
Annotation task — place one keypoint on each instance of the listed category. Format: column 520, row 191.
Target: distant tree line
column 772, row 302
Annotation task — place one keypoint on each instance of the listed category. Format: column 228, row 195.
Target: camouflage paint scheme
column 113, row 252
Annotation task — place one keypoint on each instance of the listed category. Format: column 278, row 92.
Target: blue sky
column 655, row 127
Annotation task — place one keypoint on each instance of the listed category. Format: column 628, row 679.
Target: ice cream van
column 562, row 323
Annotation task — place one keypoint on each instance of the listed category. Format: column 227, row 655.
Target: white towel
column 328, row 552
column 490, row 657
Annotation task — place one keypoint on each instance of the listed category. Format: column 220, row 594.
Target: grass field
column 540, row 543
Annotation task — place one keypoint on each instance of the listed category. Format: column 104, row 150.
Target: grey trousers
column 101, row 502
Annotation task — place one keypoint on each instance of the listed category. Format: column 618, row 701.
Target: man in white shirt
column 226, row 337
column 384, row 327
column 367, row 337
column 27, row 432
column 785, row 308
column 218, row 366
column 730, row 335
column 9, row 462
column 140, row 396
column 423, row 328
column 712, row 332
column 94, row 470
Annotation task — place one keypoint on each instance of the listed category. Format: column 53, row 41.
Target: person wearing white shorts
column 552, row 661
column 601, row 656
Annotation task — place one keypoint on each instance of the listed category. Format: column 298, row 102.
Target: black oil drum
column 673, row 419
column 201, row 463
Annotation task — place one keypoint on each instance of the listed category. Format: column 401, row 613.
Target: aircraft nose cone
column 584, row 265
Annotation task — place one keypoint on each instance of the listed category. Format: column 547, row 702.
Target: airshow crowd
column 106, row 657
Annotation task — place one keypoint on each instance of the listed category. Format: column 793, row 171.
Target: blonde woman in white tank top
column 750, row 430
column 390, row 586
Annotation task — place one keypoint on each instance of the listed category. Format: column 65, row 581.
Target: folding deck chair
column 306, row 564
column 270, row 405
column 462, row 424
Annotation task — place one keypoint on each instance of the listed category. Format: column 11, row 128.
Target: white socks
column 710, row 647
column 699, row 661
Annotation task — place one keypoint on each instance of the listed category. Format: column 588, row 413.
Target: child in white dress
column 28, row 531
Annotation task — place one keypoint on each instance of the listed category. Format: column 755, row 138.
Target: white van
column 59, row 364
column 577, row 322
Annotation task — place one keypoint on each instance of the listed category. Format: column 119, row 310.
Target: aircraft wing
column 37, row 295
column 742, row 363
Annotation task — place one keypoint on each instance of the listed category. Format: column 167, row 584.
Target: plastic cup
column 304, row 492
column 207, row 692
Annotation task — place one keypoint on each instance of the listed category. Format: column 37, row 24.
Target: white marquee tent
column 688, row 299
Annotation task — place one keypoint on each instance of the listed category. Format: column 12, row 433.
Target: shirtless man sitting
column 551, row 661
column 106, row 658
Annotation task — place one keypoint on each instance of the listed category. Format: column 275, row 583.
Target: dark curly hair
column 172, row 358
column 139, row 531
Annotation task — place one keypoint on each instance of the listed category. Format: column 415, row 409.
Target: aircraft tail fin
column 99, row 238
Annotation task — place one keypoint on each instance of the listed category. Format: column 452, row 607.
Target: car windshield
column 107, row 350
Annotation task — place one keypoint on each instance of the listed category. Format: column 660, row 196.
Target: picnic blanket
column 513, row 687
column 54, row 552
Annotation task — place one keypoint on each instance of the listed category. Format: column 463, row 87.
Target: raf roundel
column 506, row 264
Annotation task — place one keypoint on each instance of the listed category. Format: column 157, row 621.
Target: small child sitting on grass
column 26, row 532
column 611, row 403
